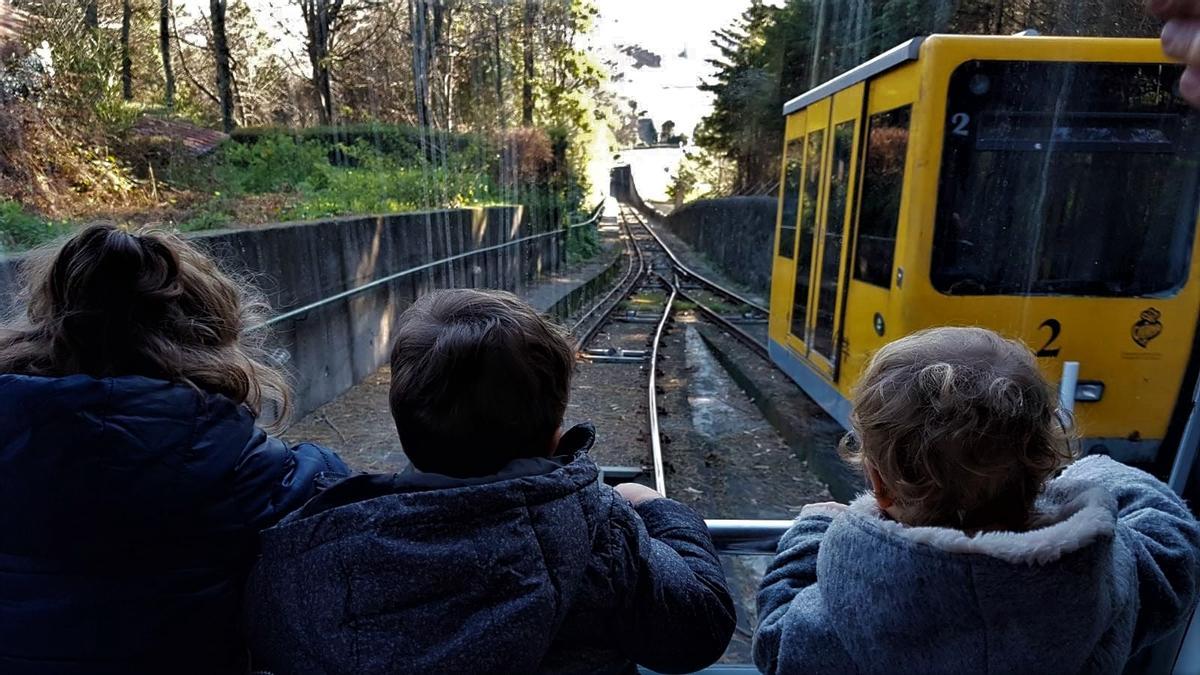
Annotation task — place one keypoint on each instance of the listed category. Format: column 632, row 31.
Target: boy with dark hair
column 497, row 550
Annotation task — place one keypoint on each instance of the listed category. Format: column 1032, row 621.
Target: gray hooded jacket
column 538, row 568
column 1110, row 568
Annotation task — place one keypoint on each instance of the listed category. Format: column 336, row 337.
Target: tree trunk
column 91, row 14
column 499, row 71
column 221, row 59
column 319, row 17
column 527, row 85
column 419, row 27
column 126, row 60
column 433, row 52
column 164, row 46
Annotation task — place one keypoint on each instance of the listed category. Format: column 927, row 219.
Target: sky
column 667, row 28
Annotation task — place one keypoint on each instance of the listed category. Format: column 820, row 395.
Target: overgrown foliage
column 505, row 112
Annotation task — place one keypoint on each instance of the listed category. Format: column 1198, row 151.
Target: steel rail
column 358, row 290
column 628, row 282
column 660, row 481
column 687, row 271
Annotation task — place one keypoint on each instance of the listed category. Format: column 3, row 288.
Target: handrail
column 747, row 537
column 305, row 309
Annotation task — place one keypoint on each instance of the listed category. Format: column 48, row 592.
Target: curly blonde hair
column 961, row 427
column 108, row 303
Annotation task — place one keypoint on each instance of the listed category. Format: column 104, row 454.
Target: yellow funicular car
column 1043, row 187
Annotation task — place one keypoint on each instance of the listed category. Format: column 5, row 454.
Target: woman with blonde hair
column 134, row 476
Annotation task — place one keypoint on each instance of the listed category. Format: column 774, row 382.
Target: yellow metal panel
column 1142, row 384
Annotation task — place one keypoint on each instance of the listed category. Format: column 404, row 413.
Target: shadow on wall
column 736, row 233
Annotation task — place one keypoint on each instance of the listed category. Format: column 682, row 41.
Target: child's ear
column 882, row 495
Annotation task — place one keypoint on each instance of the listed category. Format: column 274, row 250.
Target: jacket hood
column 432, row 573
column 1045, row 593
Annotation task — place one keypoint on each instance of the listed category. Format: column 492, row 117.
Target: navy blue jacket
column 538, row 568
column 131, row 511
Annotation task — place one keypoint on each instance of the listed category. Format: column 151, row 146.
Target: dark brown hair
column 961, row 426
column 108, row 303
column 478, row 379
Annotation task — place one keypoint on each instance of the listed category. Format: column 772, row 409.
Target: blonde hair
column 961, row 426
column 108, row 303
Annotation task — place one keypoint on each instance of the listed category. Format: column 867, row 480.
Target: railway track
column 655, row 286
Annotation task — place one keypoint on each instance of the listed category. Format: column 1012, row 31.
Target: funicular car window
column 835, row 225
column 883, row 181
column 808, row 222
column 791, row 196
column 1066, row 179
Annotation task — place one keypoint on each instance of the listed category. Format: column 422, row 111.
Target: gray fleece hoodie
column 1110, row 567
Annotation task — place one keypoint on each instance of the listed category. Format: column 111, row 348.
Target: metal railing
column 747, row 537
column 357, row 290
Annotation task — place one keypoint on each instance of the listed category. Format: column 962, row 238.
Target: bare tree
column 498, row 66
column 126, row 59
column 527, row 85
column 91, row 14
column 164, row 46
column 419, row 26
column 321, row 23
column 220, row 50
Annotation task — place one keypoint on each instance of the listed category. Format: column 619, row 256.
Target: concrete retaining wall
column 333, row 347
column 736, row 233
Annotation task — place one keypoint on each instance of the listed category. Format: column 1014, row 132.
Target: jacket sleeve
column 679, row 616
column 1163, row 536
column 273, row 479
column 795, row 631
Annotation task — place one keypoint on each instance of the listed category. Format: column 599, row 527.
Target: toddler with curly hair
column 975, row 551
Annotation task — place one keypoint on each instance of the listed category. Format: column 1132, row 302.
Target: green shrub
column 20, row 229
column 401, row 142
column 378, row 188
column 274, row 164
column 582, row 244
column 214, row 215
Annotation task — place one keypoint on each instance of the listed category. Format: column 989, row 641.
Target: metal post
column 1066, row 386
column 1185, row 458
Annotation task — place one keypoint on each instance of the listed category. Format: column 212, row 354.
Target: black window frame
column 814, row 159
column 970, row 259
column 837, row 202
column 790, row 199
column 875, row 259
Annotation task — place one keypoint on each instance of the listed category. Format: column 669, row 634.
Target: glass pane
column 835, row 226
column 808, row 224
column 882, row 183
column 1066, row 179
column 793, row 159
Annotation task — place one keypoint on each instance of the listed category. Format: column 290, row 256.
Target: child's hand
column 827, row 507
column 1181, row 40
column 637, row 493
